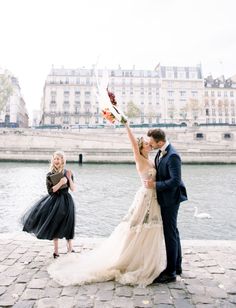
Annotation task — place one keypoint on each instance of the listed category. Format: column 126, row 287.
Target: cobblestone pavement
column 208, row 279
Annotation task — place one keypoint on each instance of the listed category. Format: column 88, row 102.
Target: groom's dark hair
column 157, row 134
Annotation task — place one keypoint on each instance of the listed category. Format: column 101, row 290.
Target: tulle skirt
column 53, row 216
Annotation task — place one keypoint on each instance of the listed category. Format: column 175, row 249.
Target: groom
column 170, row 192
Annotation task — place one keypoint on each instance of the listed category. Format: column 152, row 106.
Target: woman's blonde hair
column 140, row 144
column 63, row 157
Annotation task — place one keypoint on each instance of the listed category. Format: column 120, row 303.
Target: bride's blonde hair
column 140, row 142
column 61, row 154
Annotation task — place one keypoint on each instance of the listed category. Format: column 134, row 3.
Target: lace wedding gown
column 132, row 254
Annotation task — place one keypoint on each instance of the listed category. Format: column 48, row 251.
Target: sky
column 36, row 34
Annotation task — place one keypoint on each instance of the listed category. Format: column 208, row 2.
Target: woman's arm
column 59, row 184
column 70, row 179
column 133, row 141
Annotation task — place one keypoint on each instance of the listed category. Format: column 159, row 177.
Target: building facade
column 13, row 113
column 165, row 95
column 220, row 100
column 70, row 96
column 181, row 94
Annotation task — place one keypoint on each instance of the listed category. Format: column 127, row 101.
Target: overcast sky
column 36, row 34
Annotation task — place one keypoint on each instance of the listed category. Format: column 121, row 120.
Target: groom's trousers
column 172, row 239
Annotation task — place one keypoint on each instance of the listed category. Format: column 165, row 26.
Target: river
column 105, row 192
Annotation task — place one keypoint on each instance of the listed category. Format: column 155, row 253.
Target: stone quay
column 201, row 144
column 208, row 279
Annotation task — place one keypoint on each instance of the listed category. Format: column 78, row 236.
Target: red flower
column 112, row 97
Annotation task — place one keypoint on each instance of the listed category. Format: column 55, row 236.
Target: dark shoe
column 55, row 255
column 165, row 278
column 179, row 271
column 71, row 251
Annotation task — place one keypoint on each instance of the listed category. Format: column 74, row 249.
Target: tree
column 132, row 110
column 192, row 110
column 172, row 112
column 6, row 90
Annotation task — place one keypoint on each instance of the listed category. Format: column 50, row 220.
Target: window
column 207, row 112
column 52, row 107
column 87, row 81
column 77, row 106
column 66, row 106
column 52, row 120
column 212, row 93
column 182, row 93
column 227, row 136
column 53, row 95
column 199, row 136
column 231, row 94
column 66, row 119
column 87, row 106
column 170, row 93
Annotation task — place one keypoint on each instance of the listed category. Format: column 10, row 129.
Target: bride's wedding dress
column 132, row 254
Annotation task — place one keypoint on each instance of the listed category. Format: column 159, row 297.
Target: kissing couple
column 145, row 246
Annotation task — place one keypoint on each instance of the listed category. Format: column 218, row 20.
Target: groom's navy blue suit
column 170, row 192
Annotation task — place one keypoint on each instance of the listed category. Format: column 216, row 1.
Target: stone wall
column 112, row 144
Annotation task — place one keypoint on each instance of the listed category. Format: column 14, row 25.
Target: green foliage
column 132, row 110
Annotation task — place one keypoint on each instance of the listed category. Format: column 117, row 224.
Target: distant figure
column 53, row 216
column 201, row 215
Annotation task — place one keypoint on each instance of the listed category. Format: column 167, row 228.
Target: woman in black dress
column 53, row 216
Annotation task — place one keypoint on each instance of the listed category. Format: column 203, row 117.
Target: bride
column 133, row 253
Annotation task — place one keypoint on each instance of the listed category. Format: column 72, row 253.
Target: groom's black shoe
column 164, row 278
column 179, row 271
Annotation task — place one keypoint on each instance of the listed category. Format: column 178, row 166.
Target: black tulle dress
column 53, row 216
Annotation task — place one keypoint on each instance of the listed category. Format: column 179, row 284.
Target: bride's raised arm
column 133, row 141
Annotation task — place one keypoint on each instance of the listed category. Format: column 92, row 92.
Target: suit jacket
column 169, row 185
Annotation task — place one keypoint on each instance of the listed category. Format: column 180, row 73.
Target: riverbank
column 201, row 144
column 208, row 279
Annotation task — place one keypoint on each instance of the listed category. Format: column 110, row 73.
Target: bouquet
column 108, row 102
column 111, row 113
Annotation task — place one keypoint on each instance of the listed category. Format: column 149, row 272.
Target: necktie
column 158, row 156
